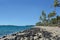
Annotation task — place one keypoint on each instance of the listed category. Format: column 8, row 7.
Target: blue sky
column 23, row 12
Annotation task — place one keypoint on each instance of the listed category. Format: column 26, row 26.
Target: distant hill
column 13, row 25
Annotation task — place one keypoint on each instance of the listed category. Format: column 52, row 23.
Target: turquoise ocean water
column 6, row 30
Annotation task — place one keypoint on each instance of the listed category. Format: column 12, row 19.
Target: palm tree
column 56, row 4
column 50, row 15
column 43, row 17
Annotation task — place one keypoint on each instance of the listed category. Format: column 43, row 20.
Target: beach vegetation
column 50, row 19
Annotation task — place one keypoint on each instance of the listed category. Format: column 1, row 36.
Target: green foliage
column 43, row 17
column 39, row 24
column 51, row 19
column 44, row 20
column 52, row 14
column 55, row 3
column 58, row 17
column 58, row 20
column 43, row 13
column 54, row 20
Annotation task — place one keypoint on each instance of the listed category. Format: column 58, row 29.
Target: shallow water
column 5, row 30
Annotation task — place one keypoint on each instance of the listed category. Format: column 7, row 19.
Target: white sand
column 54, row 30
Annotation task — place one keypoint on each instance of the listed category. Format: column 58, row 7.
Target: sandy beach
column 36, row 33
column 54, row 30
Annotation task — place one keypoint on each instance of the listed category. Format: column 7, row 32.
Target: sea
column 6, row 30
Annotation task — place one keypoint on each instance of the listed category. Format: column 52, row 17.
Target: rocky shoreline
column 32, row 34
